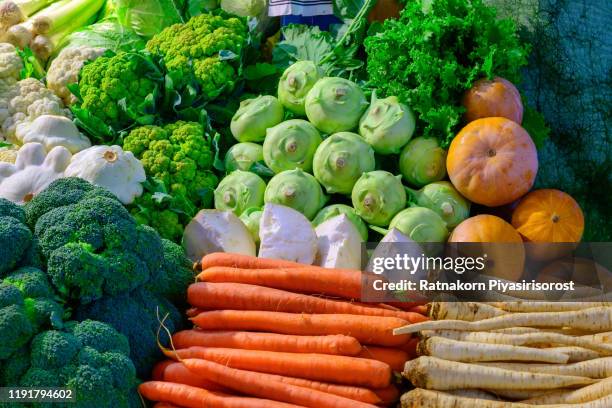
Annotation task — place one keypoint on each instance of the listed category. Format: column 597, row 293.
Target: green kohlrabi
column 238, row 191
column 422, row 161
column 242, row 156
column 251, row 217
column 420, row 224
column 334, row 210
column 254, row 117
column 296, row 189
column 444, row 199
column 377, row 196
column 335, row 104
column 387, row 125
column 340, row 160
column 295, row 83
column 290, row 145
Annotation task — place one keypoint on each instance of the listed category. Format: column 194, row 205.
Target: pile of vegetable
column 261, row 334
column 535, row 353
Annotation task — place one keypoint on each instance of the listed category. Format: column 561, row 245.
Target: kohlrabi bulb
column 377, row 196
column 250, row 218
column 340, row 160
column 335, row 105
column 443, row 198
column 334, row 210
column 254, row 117
column 422, row 161
column 420, row 224
column 295, row 83
column 242, row 156
column 387, row 125
column 296, row 189
column 238, row 191
column 291, row 145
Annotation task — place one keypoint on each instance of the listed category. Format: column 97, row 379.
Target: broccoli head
column 175, row 274
column 179, row 158
column 135, row 315
column 193, row 49
column 89, row 357
column 116, row 91
column 15, row 239
column 10, row 209
column 16, row 329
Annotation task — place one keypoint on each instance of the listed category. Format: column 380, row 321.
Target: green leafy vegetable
column 434, row 53
column 148, row 17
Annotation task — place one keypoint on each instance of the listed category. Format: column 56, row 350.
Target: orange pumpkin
column 492, row 161
column 500, row 242
column 549, row 215
column 490, row 98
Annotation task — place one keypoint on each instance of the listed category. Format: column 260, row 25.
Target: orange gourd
column 549, row 215
column 503, row 246
column 492, row 161
column 491, row 98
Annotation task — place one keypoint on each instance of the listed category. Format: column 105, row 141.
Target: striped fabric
column 305, row 8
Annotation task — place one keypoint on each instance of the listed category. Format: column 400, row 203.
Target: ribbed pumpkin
column 493, row 97
column 501, row 243
column 549, row 215
column 492, row 161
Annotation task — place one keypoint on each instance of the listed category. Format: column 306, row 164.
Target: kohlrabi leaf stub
column 340, row 160
column 291, row 145
column 295, row 83
column 296, row 189
column 335, row 105
column 254, row 117
column 377, row 196
column 387, row 125
column 238, row 191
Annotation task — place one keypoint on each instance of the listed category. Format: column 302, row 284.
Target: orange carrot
column 240, row 296
column 305, row 279
column 193, row 311
column 407, row 306
column 366, row 329
column 410, row 348
column 165, row 405
column 250, row 383
column 158, row 371
column 318, row 367
column 331, row 344
column 242, row 261
column 422, row 309
column 178, row 373
column 388, row 395
column 394, row 357
column 193, row 397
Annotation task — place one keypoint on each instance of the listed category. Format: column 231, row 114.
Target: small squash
column 492, row 161
column 549, row 216
column 500, row 242
column 51, row 131
column 112, row 168
column 490, row 98
column 33, row 171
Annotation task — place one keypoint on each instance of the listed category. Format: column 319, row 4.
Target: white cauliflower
column 10, row 66
column 65, row 69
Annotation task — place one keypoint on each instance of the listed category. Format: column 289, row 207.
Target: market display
column 186, row 188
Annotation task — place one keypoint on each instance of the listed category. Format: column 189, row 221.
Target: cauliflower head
column 116, row 91
column 193, row 50
column 179, row 157
column 65, row 68
column 10, row 63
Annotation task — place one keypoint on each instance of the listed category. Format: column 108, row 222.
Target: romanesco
column 193, row 50
column 179, row 157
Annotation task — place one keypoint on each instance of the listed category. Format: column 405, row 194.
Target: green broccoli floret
column 135, row 316
column 16, row 239
column 32, row 282
column 14, row 367
column 175, row 275
column 88, row 357
column 179, row 157
column 115, row 92
column 10, row 209
column 59, row 193
column 15, row 327
column 192, row 49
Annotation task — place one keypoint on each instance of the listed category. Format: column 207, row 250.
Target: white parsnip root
column 524, row 339
column 531, row 307
column 598, row 368
column 596, row 319
column 438, row 374
column 577, row 354
column 454, row 350
column 593, row 392
column 467, row 311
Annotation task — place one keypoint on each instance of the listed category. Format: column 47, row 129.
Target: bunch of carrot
column 272, row 333
column 512, row 355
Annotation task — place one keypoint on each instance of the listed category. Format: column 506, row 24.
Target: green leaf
column 32, row 68
column 261, row 170
column 94, row 126
column 218, row 162
column 148, row 17
column 347, row 8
